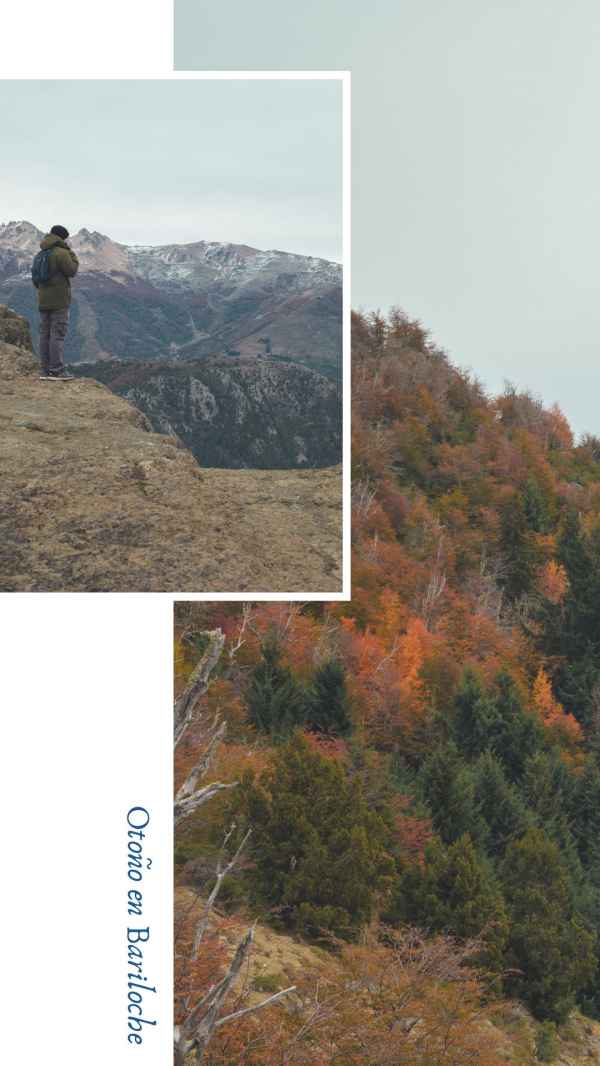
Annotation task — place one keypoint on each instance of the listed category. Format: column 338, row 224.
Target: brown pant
column 53, row 330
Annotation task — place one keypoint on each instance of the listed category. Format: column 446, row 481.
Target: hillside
column 91, row 499
column 204, row 298
column 233, row 412
column 418, row 769
column 278, row 961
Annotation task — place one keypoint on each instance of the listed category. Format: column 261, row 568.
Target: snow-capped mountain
column 188, row 266
column 186, row 300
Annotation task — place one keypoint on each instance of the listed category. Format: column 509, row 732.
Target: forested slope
column 427, row 756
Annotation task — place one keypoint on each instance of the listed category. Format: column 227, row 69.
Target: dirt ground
column 91, row 500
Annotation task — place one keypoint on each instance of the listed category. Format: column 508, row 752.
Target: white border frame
column 272, row 75
column 40, row 38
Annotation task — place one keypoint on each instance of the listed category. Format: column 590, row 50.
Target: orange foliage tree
column 563, row 726
column 397, row 1000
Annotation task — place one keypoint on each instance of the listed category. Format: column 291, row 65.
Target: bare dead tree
column 363, row 498
column 197, row 684
column 443, row 957
column 281, row 625
column 240, row 639
column 389, row 657
column 203, row 1017
column 437, row 583
column 370, row 549
column 327, row 641
column 484, row 586
column 221, row 872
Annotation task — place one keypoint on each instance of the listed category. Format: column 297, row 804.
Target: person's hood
column 52, row 241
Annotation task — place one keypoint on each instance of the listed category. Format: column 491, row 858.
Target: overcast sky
column 151, row 162
column 476, row 165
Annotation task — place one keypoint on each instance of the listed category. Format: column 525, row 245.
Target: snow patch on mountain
column 191, row 266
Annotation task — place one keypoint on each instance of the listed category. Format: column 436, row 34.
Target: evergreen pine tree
column 329, row 705
column 589, row 997
column 449, row 792
column 499, row 803
column 547, row 942
column 547, row 787
column 573, row 553
column 320, row 854
column 570, row 630
column 585, row 814
column 276, row 701
column 518, row 549
column 474, row 716
column 578, row 677
column 536, row 506
column 587, row 835
column 516, row 733
column 453, row 891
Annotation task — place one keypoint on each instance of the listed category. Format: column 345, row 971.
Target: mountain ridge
column 224, row 255
column 209, row 297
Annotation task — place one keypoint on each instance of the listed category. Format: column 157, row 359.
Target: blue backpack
column 40, row 269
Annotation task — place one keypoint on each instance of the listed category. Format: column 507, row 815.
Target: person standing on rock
column 53, row 267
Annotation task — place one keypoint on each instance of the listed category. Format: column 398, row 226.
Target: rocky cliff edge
column 92, row 500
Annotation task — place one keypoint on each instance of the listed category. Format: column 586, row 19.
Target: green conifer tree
column 500, row 805
column 573, row 552
column 276, row 701
column 537, row 506
column 329, row 704
column 448, row 790
column 453, row 891
column 518, row 549
column 320, row 854
column 474, row 716
column 550, row 952
column 548, row 787
column 570, row 630
column 585, row 814
column 516, row 734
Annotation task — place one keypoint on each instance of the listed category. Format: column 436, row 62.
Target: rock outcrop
column 14, row 329
column 92, row 500
column 235, row 413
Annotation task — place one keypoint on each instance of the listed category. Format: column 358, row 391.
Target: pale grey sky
column 476, row 166
column 155, row 162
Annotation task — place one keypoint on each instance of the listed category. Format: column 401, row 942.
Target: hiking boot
column 61, row 375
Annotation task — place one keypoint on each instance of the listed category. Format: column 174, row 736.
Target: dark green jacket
column 56, row 294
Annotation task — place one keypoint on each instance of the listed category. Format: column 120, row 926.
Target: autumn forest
column 388, row 810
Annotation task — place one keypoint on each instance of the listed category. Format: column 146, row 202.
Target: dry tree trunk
column 203, row 1017
column 198, row 683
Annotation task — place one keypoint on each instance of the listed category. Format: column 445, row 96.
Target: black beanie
column 60, row 231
